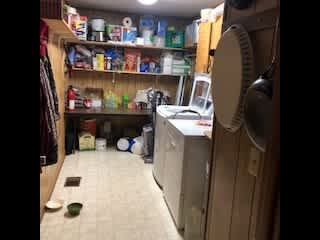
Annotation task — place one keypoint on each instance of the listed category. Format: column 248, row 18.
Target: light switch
column 254, row 162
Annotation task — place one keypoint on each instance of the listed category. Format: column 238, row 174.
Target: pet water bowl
column 74, row 208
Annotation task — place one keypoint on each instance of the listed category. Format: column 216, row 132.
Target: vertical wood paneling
column 222, row 192
column 51, row 9
column 249, row 215
column 235, row 13
column 243, row 195
column 270, row 182
column 124, row 83
column 262, row 5
column 262, row 43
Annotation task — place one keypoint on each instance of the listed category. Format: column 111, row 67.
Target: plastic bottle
column 125, row 101
column 138, row 63
column 109, row 59
column 71, row 99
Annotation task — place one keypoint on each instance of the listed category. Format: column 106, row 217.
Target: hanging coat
column 49, row 108
column 48, row 131
column 44, row 34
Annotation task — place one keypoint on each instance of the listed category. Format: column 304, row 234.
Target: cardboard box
column 129, row 34
column 81, row 28
column 131, row 59
column 86, row 141
column 71, row 20
column 114, row 32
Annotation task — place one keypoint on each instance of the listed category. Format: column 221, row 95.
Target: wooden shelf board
column 61, row 28
column 125, row 45
column 106, row 111
column 126, row 72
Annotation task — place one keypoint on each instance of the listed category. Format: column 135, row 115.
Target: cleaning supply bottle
column 71, row 98
column 125, row 101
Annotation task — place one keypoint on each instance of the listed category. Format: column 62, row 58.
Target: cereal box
column 131, row 58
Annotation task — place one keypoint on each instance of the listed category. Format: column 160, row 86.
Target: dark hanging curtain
column 49, row 108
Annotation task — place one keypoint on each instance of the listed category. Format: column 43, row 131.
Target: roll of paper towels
column 127, row 22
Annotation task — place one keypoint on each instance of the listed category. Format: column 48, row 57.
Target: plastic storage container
column 86, row 141
column 178, row 39
column 175, row 39
column 89, row 125
column 166, row 63
column 101, row 144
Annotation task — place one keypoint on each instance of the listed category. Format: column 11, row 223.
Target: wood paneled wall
column 123, row 83
column 241, row 205
column 50, row 173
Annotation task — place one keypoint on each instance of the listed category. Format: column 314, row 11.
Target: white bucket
column 101, row 144
column 137, row 148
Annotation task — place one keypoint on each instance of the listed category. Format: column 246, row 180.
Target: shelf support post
column 180, row 90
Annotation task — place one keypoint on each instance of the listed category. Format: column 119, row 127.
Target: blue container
column 162, row 28
column 144, row 67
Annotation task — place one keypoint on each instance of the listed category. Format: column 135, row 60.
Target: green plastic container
column 175, row 39
column 125, row 101
column 178, row 39
column 168, row 41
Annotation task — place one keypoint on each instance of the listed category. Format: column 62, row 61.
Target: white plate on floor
column 54, row 204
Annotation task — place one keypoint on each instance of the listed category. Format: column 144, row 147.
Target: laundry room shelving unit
column 182, row 77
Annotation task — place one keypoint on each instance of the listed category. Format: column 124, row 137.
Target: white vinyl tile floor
column 120, row 198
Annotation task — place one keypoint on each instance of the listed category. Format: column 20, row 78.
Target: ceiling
column 179, row 8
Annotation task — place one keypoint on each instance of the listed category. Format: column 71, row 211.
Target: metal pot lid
column 232, row 73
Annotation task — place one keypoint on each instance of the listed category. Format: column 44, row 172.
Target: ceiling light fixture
column 147, row 2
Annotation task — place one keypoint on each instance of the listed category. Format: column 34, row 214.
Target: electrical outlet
column 254, row 162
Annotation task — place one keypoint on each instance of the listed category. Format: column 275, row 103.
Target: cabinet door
column 159, row 149
column 203, row 47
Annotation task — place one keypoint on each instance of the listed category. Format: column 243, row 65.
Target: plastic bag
column 111, row 100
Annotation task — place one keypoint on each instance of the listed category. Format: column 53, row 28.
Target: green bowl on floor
column 74, row 208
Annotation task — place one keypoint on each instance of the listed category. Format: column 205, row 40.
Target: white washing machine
column 185, row 168
column 200, row 106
